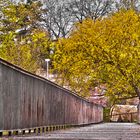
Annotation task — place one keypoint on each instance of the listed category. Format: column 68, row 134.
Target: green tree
column 28, row 53
column 21, row 17
column 23, row 42
column 104, row 51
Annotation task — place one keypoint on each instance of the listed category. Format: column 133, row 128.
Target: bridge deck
column 105, row 131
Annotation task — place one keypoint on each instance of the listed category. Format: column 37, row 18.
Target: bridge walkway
column 104, row 131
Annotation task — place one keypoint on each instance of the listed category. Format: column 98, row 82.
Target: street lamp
column 47, row 60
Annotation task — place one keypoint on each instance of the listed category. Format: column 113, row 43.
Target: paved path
column 105, row 131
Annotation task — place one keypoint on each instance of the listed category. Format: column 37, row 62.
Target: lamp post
column 47, row 60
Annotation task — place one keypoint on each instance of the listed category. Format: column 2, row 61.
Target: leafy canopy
column 23, row 42
column 99, row 52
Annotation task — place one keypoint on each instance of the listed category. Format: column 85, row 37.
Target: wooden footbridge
column 103, row 131
column 32, row 107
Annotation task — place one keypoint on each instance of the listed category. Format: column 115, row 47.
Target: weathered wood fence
column 27, row 101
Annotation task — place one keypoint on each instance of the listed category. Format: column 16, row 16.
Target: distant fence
column 27, row 101
column 123, row 117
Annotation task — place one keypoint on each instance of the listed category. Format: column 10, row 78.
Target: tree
column 94, row 9
column 23, row 42
column 127, row 4
column 28, row 53
column 61, row 15
column 104, row 51
column 57, row 20
column 21, row 17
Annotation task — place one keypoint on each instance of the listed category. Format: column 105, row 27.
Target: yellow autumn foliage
column 23, row 42
column 102, row 51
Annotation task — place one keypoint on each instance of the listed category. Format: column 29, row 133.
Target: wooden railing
column 28, row 101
